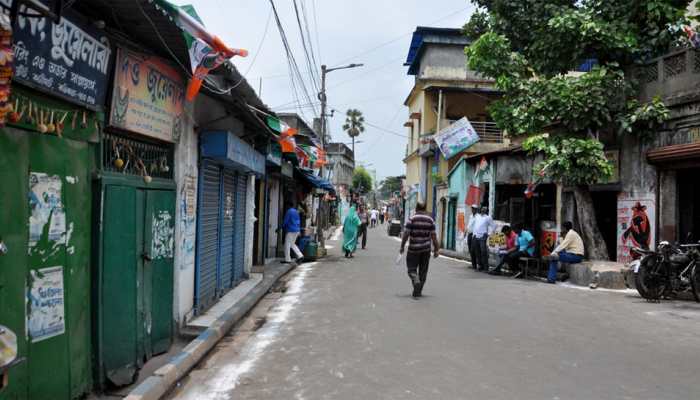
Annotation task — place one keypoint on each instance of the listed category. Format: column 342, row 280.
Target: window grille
column 134, row 157
column 674, row 65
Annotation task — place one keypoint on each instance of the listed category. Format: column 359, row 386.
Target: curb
column 165, row 377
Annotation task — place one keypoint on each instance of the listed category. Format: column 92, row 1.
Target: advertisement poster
column 162, row 235
column 456, row 138
column 148, row 96
column 47, row 215
column 636, row 216
column 45, row 304
column 69, row 59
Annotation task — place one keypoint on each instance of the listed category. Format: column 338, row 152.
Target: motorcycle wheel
column 695, row 282
column 650, row 285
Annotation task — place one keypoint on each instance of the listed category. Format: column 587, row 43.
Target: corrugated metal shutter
column 227, row 229
column 207, row 235
column 240, row 235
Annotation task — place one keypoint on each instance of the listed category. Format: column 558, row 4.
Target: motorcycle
column 668, row 271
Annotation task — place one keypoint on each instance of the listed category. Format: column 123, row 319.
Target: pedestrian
column 382, row 215
column 364, row 222
column 510, row 246
column 483, row 227
column 526, row 248
column 570, row 251
column 374, row 216
column 350, row 225
column 291, row 226
column 471, row 244
column 419, row 233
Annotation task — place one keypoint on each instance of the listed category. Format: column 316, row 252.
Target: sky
column 376, row 33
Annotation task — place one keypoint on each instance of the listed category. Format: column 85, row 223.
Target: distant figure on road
column 382, row 215
column 350, row 225
column 419, row 233
column 471, row 243
column 291, row 227
column 374, row 217
column 483, row 227
column 364, row 220
column 570, row 251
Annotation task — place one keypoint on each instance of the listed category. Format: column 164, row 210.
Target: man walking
column 374, row 216
column 483, row 227
column 364, row 221
column 471, row 244
column 291, row 227
column 570, row 251
column 419, row 233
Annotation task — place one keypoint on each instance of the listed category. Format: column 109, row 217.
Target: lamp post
column 323, row 98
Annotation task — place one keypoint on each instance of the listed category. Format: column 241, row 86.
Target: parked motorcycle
column 668, row 271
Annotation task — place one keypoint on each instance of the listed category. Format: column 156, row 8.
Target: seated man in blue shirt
column 526, row 247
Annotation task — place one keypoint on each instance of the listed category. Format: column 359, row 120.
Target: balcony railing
column 672, row 75
column 487, row 131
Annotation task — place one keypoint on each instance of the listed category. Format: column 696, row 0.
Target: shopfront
column 52, row 106
column 135, row 266
column 227, row 164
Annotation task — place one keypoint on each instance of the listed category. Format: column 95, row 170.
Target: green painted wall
column 57, row 367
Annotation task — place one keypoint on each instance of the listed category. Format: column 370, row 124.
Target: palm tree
column 354, row 125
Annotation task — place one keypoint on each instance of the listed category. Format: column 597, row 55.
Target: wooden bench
column 528, row 262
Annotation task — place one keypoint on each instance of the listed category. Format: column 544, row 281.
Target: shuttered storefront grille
column 208, row 236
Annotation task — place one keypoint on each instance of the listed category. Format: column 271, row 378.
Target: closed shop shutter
column 240, row 235
column 208, row 232
column 227, row 229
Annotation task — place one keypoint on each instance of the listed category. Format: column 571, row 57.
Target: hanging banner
column 69, row 59
column 456, row 138
column 45, row 304
column 148, row 96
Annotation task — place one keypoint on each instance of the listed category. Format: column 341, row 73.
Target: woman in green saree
column 350, row 225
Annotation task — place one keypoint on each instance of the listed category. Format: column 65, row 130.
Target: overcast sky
column 374, row 32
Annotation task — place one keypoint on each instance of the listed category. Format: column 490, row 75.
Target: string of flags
column 308, row 156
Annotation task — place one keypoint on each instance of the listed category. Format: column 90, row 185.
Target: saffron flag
column 286, row 138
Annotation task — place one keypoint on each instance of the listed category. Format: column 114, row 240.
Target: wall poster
column 47, row 219
column 636, row 217
column 45, row 304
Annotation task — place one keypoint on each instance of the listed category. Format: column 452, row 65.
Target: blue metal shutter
column 227, row 227
column 240, row 236
column 208, row 211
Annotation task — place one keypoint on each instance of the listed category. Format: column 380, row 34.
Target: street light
column 323, row 98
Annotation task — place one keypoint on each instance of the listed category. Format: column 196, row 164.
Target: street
column 349, row 329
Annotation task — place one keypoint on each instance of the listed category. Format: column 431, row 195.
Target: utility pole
column 324, row 131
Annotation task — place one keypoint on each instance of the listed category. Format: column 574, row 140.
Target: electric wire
column 310, row 63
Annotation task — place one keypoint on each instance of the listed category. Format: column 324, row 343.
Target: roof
column 430, row 35
column 487, row 154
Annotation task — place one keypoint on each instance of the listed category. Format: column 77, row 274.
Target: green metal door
column 136, row 283
column 158, row 267
column 451, row 211
column 45, row 275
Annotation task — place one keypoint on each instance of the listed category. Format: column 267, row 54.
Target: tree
column 354, row 125
column 389, row 186
column 362, row 180
column 530, row 48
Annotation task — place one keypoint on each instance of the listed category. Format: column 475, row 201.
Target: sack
column 398, row 259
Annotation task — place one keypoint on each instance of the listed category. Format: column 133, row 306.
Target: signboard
column 45, row 304
column 456, row 138
column 148, row 96
column 636, row 216
column 69, row 59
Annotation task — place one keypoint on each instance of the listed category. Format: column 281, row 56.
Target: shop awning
column 315, row 181
column 228, row 149
column 674, row 153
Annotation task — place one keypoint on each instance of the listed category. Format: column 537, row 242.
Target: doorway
column 688, row 205
column 605, row 207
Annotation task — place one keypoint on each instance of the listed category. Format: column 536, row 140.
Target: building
column 341, row 163
column 445, row 91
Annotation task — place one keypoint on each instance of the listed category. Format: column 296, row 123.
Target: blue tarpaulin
column 316, row 181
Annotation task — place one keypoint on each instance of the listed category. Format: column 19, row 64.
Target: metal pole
column 322, row 96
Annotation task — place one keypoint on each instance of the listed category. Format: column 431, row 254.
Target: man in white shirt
column 483, row 227
column 471, row 243
column 374, row 215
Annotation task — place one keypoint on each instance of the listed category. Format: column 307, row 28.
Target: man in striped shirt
column 419, row 233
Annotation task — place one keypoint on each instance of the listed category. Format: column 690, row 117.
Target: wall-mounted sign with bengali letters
column 148, row 96
column 69, row 59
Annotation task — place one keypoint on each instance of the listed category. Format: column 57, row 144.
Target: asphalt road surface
column 349, row 329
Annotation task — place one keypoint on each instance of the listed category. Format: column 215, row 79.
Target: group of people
column 519, row 243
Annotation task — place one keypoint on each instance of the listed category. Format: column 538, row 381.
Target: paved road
column 350, row 330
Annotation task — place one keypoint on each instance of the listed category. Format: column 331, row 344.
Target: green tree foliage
column 479, row 24
column 390, row 185
column 354, row 123
column 361, row 180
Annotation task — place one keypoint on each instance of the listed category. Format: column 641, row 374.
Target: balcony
column 672, row 77
column 488, row 131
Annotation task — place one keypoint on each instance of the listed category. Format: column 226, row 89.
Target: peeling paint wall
column 249, row 224
column 186, row 155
